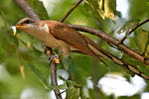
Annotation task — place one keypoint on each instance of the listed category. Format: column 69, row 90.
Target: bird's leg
column 52, row 55
column 48, row 52
column 65, row 58
column 54, row 58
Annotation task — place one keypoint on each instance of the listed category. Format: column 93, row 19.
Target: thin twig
column 131, row 68
column 54, row 79
column 133, row 29
column 63, row 91
column 53, row 61
column 120, row 62
column 71, row 10
column 28, row 10
column 146, row 46
column 109, row 39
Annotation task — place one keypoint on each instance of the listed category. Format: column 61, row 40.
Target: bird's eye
column 27, row 22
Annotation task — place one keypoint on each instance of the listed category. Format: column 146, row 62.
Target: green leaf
column 38, row 8
column 142, row 39
column 73, row 93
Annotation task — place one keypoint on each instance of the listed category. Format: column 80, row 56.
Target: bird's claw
column 55, row 59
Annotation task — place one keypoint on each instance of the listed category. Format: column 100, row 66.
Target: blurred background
column 24, row 68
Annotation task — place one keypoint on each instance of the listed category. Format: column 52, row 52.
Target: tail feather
column 97, row 52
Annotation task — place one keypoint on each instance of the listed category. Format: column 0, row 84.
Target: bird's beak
column 20, row 26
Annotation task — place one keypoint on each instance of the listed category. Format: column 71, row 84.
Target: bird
column 58, row 35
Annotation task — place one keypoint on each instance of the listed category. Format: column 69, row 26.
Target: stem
column 133, row 29
column 28, row 10
column 71, row 10
column 54, row 80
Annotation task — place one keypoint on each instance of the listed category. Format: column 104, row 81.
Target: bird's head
column 30, row 25
column 25, row 24
column 33, row 27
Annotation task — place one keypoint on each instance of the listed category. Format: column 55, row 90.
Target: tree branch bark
column 54, row 79
column 133, row 29
column 27, row 9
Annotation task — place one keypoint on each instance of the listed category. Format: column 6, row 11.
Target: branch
column 53, row 60
column 71, row 10
column 120, row 62
column 27, row 9
column 133, row 29
column 106, row 37
column 53, row 66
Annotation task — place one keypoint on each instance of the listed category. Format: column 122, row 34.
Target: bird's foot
column 55, row 59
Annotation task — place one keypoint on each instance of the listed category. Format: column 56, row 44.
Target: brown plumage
column 58, row 35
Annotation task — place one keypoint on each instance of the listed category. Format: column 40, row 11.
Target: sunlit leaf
column 142, row 39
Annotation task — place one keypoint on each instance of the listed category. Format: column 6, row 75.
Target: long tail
column 95, row 50
column 98, row 52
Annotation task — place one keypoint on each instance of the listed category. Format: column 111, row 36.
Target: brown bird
column 55, row 34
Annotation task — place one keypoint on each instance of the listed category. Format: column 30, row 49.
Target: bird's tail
column 96, row 50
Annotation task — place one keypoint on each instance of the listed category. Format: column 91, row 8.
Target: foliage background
column 26, row 52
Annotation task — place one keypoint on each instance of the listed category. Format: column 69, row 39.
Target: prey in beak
column 18, row 26
column 14, row 30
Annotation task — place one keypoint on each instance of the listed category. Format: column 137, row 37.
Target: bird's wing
column 71, row 37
